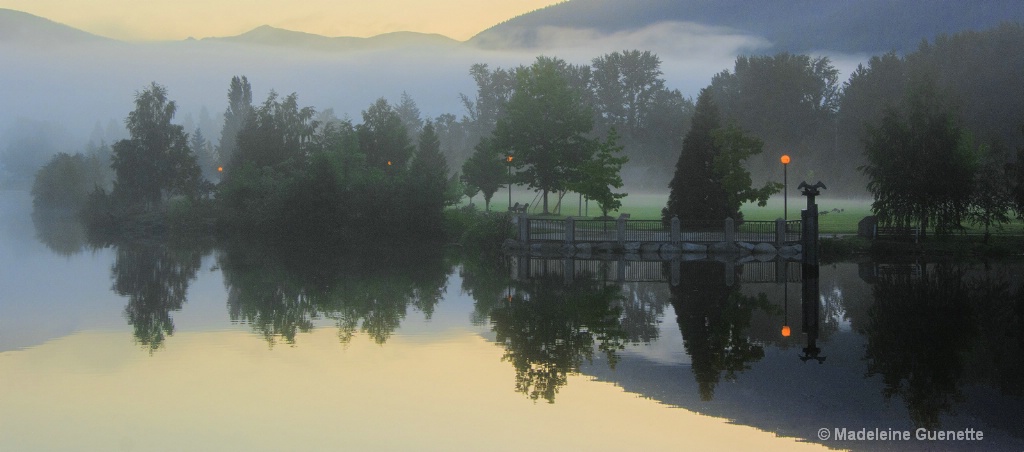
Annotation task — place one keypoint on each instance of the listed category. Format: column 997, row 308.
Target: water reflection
column 61, row 231
column 907, row 345
column 155, row 277
column 713, row 318
column 933, row 332
column 549, row 328
column 282, row 290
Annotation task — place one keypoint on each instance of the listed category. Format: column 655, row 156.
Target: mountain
column 277, row 37
column 24, row 28
column 798, row 26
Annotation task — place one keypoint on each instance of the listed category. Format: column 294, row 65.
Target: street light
column 785, row 187
column 509, row 166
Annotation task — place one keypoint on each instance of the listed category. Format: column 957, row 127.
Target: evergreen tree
column 695, row 194
column 410, row 115
column 204, row 155
column 428, row 177
column 235, row 117
column 710, row 183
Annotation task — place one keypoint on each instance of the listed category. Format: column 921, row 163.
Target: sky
column 135, row 20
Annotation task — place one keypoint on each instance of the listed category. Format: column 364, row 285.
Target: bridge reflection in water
column 778, row 270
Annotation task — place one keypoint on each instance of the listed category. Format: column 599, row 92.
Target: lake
column 148, row 345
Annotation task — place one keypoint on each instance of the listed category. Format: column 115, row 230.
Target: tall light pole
column 785, row 187
column 509, row 165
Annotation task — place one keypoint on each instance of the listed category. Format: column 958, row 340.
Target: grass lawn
column 836, row 215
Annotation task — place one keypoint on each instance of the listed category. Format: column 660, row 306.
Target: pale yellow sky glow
column 178, row 19
column 98, row 391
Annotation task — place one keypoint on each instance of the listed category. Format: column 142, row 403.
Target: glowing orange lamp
column 785, row 331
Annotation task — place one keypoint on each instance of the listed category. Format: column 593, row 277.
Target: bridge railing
column 774, row 271
column 576, row 230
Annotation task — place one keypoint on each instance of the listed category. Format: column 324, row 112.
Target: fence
column 775, row 271
column 572, row 230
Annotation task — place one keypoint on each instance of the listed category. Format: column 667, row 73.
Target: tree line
column 558, row 128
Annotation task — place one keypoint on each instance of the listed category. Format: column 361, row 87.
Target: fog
column 81, row 87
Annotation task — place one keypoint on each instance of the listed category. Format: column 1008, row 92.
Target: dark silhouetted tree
column 428, row 183
column 710, row 183
column 920, row 164
column 156, row 161
column 384, row 139
column 235, row 117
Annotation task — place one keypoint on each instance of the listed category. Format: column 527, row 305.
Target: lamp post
column 509, row 166
column 785, row 187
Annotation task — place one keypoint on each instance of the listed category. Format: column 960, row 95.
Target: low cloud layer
column 78, row 85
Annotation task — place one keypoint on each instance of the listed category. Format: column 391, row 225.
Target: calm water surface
column 192, row 346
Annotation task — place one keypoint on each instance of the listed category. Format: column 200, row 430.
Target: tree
column 428, row 182
column 789, row 102
column 383, row 137
column 204, row 155
column 710, row 183
column 66, row 181
column 733, row 148
column 410, row 115
column 920, row 163
column 484, row 171
column 156, row 161
column 992, row 196
column 601, row 174
column 544, row 127
column 275, row 134
column 494, row 89
column 625, row 85
column 235, row 117
column 629, row 95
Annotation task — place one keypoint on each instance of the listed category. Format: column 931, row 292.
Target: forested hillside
column 852, row 26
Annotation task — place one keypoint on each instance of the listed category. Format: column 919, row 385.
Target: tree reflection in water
column 931, row 334
column 61, row 231
column 714, row 318
column 155, row 278
column 281, row 291
column 549, row 328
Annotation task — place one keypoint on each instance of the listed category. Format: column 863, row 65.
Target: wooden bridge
column 580, row 237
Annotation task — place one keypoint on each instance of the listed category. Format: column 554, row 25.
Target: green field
column 836, row 215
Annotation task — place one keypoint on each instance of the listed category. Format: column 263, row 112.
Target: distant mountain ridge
column 798, row 26
column 272, row 36
column 24, row 27
column 21, row 27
